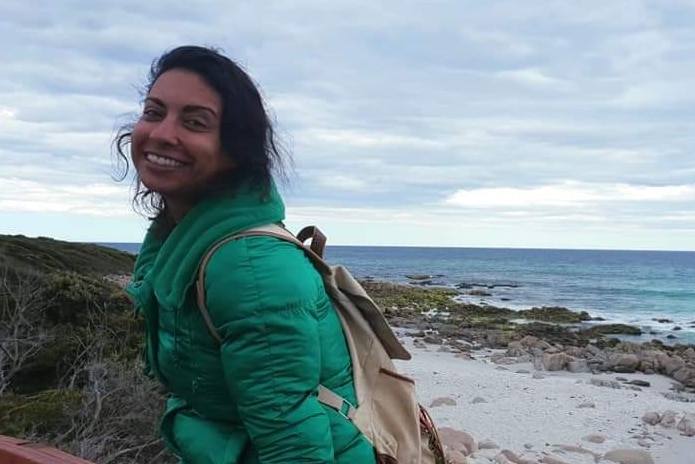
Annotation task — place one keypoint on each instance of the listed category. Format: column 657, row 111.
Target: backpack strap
column 318, row 240
column 314, row 252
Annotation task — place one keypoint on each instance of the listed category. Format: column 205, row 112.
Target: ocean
column 654, row 290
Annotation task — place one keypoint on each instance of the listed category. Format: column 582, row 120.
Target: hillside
column 70, row 369
column 46, row 254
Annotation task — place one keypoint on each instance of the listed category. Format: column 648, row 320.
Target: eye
column 151, row 114
column 195, row 124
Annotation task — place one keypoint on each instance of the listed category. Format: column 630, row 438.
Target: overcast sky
column 535, row 123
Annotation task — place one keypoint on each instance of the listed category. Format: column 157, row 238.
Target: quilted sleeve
column 261, row 294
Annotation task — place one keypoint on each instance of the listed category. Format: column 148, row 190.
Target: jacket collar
column 170, row 265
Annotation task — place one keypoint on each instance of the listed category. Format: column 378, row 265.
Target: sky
column 471, row 123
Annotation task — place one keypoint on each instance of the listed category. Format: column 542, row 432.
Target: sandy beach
column 550, row 417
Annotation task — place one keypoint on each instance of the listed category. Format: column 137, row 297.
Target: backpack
column 387, row 413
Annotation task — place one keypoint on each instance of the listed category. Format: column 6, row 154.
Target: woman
column 204, row 151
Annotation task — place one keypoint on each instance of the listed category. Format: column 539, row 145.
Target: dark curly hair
column 246, row 131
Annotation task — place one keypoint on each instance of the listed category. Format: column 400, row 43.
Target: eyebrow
column 187, row 108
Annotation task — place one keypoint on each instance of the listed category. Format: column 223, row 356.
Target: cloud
column 93, row 199
column 570, row 194
column 533, row 77
column 544, row 111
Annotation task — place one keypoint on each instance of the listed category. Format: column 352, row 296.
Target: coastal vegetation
column 70, row 368
column 70, row 344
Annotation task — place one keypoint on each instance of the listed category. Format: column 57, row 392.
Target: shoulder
column 266, row 270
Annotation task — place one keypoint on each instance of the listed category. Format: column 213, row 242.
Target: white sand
column 529, row 416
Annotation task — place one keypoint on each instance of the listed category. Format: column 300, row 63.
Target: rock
column 676, row 328
column 554, row 314
column 478, row 399
column 522, row 371
column 501, row 358
column 611, row 329
column 689, row 354
column 587, row 405
column 509, row 457
column 516, row 349
column 624, row 369
column 576, row 352
column 651, row 418
column 488, row 444
column 478, row 292
column 629, row 456
column 443, row 401
column 537, row 376
column 455, row 457
column 457, row 440
column 530, row 341
column 548, row 459
column 669, row 419
column 555, row 362
column 673, row 364
column 578, row 366
column 597, row 352
column 576, row 449
column 623, row 363
column 604, row 383
column 687, row 425
column 645, row 442
column 677, row 397
column 432, row 340
column 663, row 321
column 639, row 383
column 684, row 374
column 594, row 438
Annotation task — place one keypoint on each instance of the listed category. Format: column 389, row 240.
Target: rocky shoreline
column 555, row 371
column 552, row 338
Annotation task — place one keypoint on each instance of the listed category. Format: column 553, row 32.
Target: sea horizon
column 127, row 246
column 636, row 287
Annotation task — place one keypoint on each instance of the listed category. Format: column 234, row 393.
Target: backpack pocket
column 395, row 418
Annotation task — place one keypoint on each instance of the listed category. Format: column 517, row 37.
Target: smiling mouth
column 163, row 160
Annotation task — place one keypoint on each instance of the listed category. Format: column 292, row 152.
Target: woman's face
column 176, row 146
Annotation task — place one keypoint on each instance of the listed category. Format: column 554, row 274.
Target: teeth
column 162, row 161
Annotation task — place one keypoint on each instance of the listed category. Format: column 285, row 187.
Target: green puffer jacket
column 254, row 398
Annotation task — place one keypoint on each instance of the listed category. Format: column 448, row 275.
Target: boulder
column 624, row 363
column 684, row 374
column 555, row 362
column 651, row 418
column 457, row 440
column 669, row 419
column 629, row 456
column 687, row 425
column 443, row 401
column 578, row 366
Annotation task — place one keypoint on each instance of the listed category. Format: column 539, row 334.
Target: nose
column 165, row 131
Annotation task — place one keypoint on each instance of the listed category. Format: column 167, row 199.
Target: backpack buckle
column 347, row 410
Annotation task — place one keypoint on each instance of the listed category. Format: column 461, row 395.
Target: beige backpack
column 387, row 410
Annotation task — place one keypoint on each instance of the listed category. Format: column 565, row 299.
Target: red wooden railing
column 18, row 451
